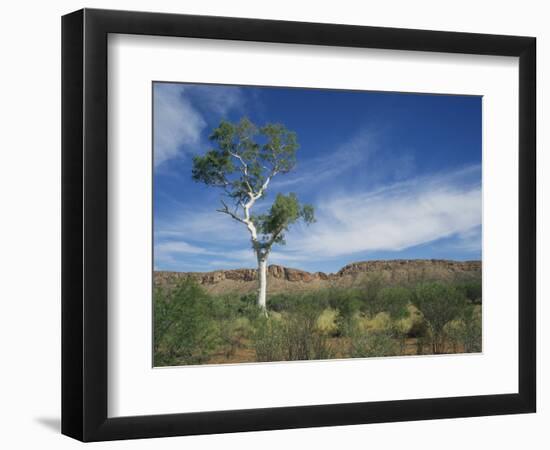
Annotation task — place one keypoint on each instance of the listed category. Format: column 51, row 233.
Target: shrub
column 373, row 344
column 231, row 333
column 347, row 303
column 472, row 329
column 268, row 339
column 303, row 340
column 326, row 322
column 291, row 301
column 280, row 302
column 394, row 301
column 247, row 306
column 418, row 326
column 184, row 329
column 439, row 304
column 471, row 290
column 307, row 304
column 369, row 287
column 291, row 336
column 467, row 329
column 382, row 322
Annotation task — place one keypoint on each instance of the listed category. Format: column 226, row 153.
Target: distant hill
column 284, row 279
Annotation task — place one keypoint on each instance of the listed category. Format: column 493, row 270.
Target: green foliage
column 372, row 344
column 285, row 211
column 224, row 166
column 268, row 340
column 326, row 322
column 472, row 331
column 394, row 301
column 230, row 334
column 193, row 327
column 471, row 290
column 369, row 287
column 245, row 156
column 418, row 326
column 243, row 161
column 279, row 148
column 466, row 330
column 290, row 302
column 213, row 169
column 184, row 330
column 439, row 304
column 294, row 336
column 347, row 303
column 302, row 340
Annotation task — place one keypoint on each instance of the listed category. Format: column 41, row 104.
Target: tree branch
column 266, row 183
column 225, row 210
column 240, row 158
column 274, row 236
column 244, row 169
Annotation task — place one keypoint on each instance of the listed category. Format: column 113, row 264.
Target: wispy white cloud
column 466, row 241
column 393, row 218
column 177, row 124
column 361, row 150
column 169, row 253
column 218, row 241
column 354, row 152
column 202, row 225
column 180, row 247
column 219, row 100
column 180, row 116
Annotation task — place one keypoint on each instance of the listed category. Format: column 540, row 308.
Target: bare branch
column 225, row 210
column 240, row 158
column 244, row 170
column 266, row 183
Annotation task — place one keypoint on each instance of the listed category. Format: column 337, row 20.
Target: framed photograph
column 273, row 224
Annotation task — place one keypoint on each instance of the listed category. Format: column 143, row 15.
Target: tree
column 244, row 161
column 439, row 304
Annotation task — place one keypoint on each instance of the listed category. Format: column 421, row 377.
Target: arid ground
column 367, row 309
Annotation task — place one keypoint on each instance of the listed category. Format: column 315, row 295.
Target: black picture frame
column 84, row 224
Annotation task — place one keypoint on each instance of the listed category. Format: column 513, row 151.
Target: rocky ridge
column 284, row 279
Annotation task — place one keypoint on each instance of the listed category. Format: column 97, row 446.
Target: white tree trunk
column 262, row 282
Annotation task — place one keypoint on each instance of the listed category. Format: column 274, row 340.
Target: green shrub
column 280, row 302
column 373, row 344
column 369, row 287
column 292, row 336
column 472, row 329
column 439, row 304
column 326, row 322
column 268, row 339
column 418, row 327
column 303, row 340
column 471, row 290
column 231, row 333
column 347, row 303
column 394, row 301
column 467, row 329
column 184, row 327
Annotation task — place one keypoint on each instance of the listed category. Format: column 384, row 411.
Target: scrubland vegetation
column 371, row 319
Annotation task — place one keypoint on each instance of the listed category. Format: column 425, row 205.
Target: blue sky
column 391, row 175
